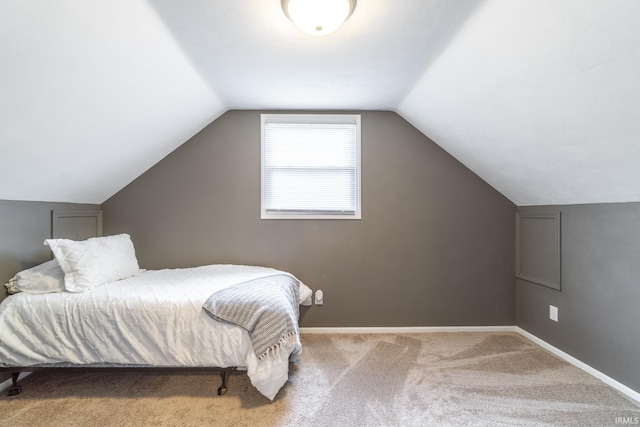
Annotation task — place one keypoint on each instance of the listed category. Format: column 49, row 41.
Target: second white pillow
column 41, row 279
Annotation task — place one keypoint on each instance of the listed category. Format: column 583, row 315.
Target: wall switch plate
column 553, row 313
column 319, row 297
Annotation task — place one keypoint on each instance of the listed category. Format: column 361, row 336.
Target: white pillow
column 94, row 262
column 41, row 279
column 305, row 294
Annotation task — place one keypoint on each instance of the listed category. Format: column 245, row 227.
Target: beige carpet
column 439, row 379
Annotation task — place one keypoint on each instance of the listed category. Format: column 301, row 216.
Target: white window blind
column 310, row 166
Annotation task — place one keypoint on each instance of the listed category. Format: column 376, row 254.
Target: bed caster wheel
column 222, row 390
column 15, row 390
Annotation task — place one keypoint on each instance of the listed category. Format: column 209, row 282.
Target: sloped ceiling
column 539, row 97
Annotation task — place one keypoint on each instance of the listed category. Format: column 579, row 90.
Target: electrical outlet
column 319, row 297
column 553, row 313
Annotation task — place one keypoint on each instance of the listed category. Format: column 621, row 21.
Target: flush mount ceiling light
column 318, row 17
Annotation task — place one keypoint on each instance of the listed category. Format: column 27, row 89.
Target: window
column 310, row 166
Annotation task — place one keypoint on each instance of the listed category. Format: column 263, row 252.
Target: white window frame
column 312, row 119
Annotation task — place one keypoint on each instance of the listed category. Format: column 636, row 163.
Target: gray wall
column 434, row 246
column 599, row 304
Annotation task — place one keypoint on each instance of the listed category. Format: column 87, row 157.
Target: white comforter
column 154, row 319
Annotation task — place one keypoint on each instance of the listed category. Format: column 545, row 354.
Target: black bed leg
column 15, row 388
column 223, row 388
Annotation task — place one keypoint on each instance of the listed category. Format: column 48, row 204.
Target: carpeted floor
column 436, row 379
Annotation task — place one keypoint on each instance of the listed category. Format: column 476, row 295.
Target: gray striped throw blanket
column 266, row 307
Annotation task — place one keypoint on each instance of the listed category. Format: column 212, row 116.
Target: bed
column 151, row 318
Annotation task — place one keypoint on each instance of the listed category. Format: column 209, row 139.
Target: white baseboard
column 406, row 329
column 430, row 329
column 579, row 364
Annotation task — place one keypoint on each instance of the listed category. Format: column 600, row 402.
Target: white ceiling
column 538, row 97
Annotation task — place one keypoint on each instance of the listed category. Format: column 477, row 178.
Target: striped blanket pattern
column 266, row 307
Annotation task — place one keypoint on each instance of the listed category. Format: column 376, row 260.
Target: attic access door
column 76, row 224
column 538, row 248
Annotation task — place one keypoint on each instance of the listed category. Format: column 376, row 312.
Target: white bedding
column 154, row 319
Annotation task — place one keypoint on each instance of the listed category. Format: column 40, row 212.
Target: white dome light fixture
column 318, row 17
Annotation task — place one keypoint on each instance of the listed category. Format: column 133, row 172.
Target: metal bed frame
column 15, row 371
